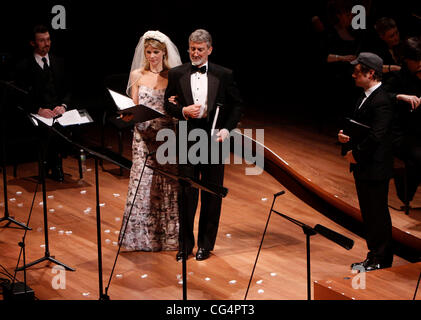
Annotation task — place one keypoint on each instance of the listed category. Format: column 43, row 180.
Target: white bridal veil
column 172, row 59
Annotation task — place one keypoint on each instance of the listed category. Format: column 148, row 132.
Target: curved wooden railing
column 407, row 245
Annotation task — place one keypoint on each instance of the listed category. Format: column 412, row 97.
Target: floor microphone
column 339, row 239
column 279, row 193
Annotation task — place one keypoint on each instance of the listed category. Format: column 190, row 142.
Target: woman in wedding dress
column 153, row 224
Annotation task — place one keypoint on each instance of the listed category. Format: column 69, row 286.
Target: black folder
column 357, row 132
column 141, row 113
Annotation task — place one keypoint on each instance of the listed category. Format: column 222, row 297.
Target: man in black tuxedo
column 198, row 87
column 43, row 75
column 371, row 161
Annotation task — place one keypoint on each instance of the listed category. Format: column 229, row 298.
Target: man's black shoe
column 370, row 264
column 202, row 254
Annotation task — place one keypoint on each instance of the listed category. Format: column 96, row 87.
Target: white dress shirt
column 38, row 59
column 199, row 88
column 368, row 92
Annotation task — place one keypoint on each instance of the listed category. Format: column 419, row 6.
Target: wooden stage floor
column 281, row 269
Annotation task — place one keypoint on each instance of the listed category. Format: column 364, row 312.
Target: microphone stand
column 416, row 289
column 125, row 227
column 308, row 231
column 22, row 250
column 217, row 190
column 261, row 242
column 6, row 216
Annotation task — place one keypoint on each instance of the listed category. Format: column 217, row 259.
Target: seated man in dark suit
column 404, row 88
column 44, row 77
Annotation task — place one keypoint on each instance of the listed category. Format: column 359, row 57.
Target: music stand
column 308, row 231
column 119, row 161
column 219, row 191
column 47, row 256
column 7, row 217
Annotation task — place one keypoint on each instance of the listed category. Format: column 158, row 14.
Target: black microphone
column 339, row 239
column 279, row 193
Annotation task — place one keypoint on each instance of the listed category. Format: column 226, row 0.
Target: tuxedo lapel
column 213, row 84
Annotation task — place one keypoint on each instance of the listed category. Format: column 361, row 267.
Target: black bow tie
column 202, row 69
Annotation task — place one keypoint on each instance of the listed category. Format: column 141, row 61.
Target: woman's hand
column 127, row 117
column 348, row 58
column 414, row 101
column 173, row 99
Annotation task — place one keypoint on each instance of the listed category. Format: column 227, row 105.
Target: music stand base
column 11, row 220
column 45, row 258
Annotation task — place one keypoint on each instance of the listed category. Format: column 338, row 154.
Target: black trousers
column 408, row 149
column 373, row 200
column 210, row 204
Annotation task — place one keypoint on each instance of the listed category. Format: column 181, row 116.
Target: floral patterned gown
column 153, row 223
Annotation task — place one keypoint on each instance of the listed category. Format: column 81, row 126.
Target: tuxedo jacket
column 46, row 89
column 221, row 89
column 373, row 152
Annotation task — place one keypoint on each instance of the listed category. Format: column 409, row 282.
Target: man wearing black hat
column 370, row 158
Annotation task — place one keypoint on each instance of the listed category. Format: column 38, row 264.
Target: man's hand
column 343, row 138
column 192, row 111
column 46, row 113
column 222, row 135
column 59, row 110
column 350, row 157
column 414, row 101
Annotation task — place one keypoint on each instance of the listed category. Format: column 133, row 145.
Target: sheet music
column 122, row 102
column 68, row 118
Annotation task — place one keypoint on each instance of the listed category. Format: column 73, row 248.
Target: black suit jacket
column 373, row 152
column 45, row 91
column 221, row 89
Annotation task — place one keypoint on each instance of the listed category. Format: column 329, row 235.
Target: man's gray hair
column 201, row 35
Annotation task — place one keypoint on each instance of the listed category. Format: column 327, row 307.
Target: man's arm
column 172, row 109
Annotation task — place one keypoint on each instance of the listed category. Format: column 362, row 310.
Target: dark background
column 268, row 44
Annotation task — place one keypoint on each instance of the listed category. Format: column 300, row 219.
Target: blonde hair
column 160, row 46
